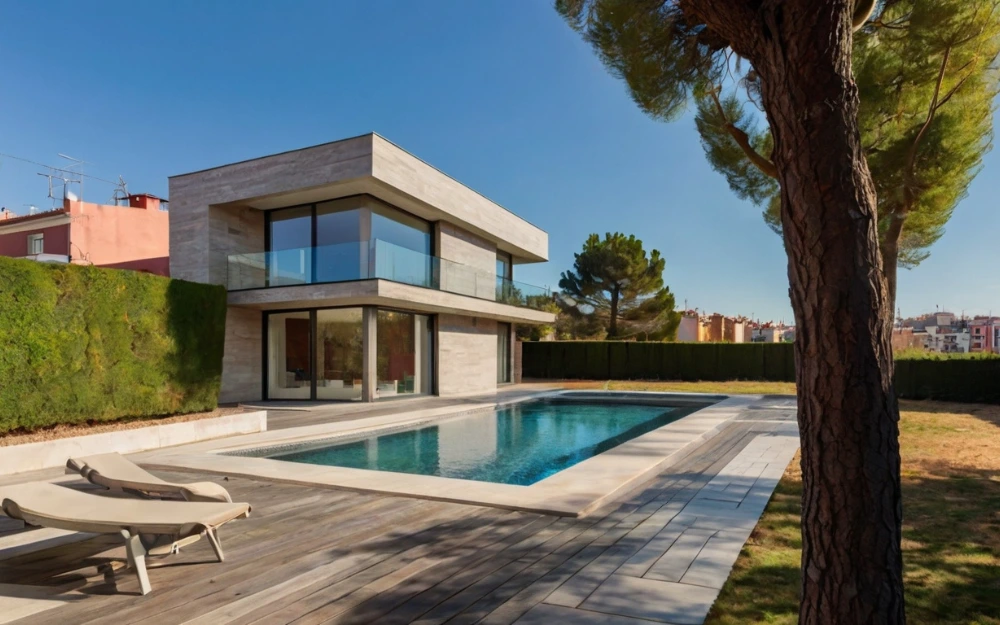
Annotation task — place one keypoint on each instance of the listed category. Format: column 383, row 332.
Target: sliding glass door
column 403, row 354
column 339, row 354
column 319, row 354
column 289, row 363
column 503, row 353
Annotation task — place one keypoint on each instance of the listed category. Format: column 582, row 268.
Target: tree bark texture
column 848, row 413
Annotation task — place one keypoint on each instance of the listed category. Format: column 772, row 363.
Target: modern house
column 355, row 271
column 131, row 236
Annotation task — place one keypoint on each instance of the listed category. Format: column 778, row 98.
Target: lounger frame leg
column 137, row 559
column 213, row 537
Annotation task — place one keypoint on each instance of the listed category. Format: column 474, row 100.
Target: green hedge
column 630, row 360
column 84, row 344
column 970, row 379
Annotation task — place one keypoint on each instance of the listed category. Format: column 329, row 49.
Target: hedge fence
column 965, row 379
column 81, row 344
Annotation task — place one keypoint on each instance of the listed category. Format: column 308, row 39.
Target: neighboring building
column 946, row 340
column 355, row 272
column 691, row 328
column 984, row 334
column 766, row 333
column 908, row 338
column 123, row 237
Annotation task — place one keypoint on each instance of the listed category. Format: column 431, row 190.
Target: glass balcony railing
column 377, row 259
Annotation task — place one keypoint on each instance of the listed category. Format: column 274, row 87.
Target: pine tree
column 927, row 80
column 613, row 280
column 798, row 56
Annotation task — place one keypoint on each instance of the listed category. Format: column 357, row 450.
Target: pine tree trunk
column 848, row 413
column 613, row 314
column 890, row 259
column 890, row 256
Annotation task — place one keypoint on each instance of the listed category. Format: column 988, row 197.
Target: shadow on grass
column 951, row 553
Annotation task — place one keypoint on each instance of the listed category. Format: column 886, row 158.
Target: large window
column 339, row 353
column 289, row 363
column 290, row 240
column 404, row 354
column 352, row 238
column 503, row 353
column 319, row 354
column 340, row 256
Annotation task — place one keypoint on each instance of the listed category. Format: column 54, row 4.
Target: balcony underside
column 387, row 294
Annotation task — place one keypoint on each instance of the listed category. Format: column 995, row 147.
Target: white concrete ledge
column 54, row 453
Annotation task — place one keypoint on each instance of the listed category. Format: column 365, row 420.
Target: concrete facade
column 219, row 226
column 467, row 355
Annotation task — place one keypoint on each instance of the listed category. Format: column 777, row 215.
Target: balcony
column 348, row 262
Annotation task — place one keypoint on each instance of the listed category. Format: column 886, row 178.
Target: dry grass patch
column 951, row 532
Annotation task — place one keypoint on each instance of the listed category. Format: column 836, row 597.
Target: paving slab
column 667, row 602
column 543, row 614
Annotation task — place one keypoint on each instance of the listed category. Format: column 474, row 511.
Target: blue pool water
column 520, row 444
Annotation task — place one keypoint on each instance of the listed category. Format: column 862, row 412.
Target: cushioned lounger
column 148, row 526
column 117, row 472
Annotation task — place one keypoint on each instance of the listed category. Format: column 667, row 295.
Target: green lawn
column 951, row 532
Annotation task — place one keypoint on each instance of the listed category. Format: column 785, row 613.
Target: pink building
column 984, row 334
column 136, row 236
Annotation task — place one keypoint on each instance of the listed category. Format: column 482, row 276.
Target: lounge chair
column 152, row 528
column 116, row 472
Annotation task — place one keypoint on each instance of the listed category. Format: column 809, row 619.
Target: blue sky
column 501, row 95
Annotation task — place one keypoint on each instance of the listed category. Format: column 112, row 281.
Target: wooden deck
column 309, row 555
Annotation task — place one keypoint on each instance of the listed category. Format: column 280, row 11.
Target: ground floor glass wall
column 403, row 354
column 320, row 354
column 503, row 353
column 339, row 353
column 289, row 364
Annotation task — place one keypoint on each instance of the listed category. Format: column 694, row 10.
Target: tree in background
column 799, row 53
column 926, row 80
column 539, row 332
column 613, row 280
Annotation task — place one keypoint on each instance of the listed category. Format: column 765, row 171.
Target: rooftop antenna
column 121, row 192
column 76, row 167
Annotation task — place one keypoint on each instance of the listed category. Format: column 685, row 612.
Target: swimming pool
column 519, row 444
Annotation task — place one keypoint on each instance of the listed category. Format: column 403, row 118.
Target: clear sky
column 499, row 94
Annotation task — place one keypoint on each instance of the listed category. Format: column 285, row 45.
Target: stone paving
column 671, row 567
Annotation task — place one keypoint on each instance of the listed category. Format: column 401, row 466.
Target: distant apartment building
column 134, row 236
column 691, row 329
column 984, row 334
column 946, row 340
column 908, row 338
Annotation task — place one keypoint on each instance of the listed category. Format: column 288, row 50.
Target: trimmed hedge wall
column 630, row 360
column 960, row 379
column 81, row 343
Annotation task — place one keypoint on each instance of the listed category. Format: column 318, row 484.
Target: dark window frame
column 313, row 325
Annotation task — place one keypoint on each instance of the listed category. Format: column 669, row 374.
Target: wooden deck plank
column 311, row 555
